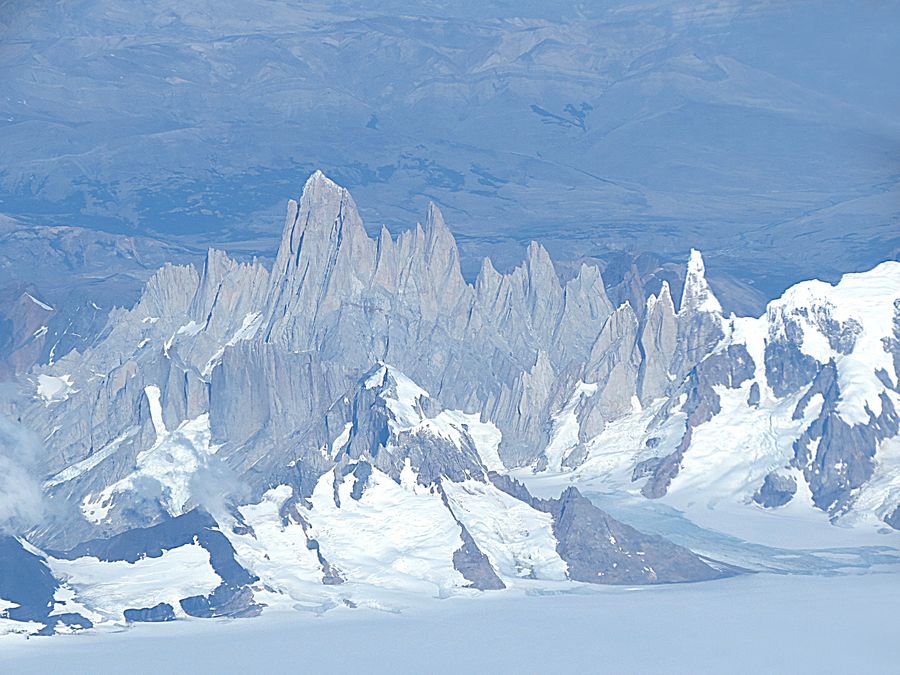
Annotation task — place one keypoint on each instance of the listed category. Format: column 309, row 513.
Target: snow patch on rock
column 53, row 388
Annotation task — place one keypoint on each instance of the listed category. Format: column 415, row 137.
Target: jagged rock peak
column 665, row 293
column 661, row 302
column 488, row 276
column 538, row 259
column 326, row 212
column 169, row 290
column 540, row 284
column 434, row 221
column 588, row 285
column 439, row 241
column 325, row 255
column 697, row 295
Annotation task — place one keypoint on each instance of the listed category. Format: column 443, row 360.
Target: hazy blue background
column 765, row 133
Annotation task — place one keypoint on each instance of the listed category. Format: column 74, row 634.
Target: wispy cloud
column 215, row 485
column 21, row 499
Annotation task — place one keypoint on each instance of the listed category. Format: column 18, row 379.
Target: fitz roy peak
column 349, row 425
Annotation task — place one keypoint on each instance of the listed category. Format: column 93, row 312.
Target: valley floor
column 750, row 624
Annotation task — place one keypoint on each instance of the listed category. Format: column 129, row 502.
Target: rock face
column 263, row 357
column 57, row 285
column 27, row 584
column 28, row 590
column 231, row 598
column 776, row 490
column 361, row 377
column 599, row 549
column 472, row 563
column 161, row 612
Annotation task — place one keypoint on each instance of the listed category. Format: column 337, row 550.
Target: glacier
column 749, row 624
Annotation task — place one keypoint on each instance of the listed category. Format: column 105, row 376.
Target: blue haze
column 764, row 133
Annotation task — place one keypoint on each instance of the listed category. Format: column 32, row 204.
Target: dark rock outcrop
column 232, row 598
column 27, row 582
column 601, row 550
column 474, row 565
column 470, row 561
column 893, row 518
column 776, row 490
column 161, row 612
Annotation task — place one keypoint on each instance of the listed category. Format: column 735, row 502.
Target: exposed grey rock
column 601, row 550
column 512, row 487
column 659, row 333
column 27, row 583
column 893, row 518
column 225, row 600
column 753, row 397
column 787, row 368
column 645, row 468
column 324, row 241
column 730, row 368
column 667, row 468
column 266, row 409
column 160, row 612
column 696, row 295
column 585, row 310
column 331, row 575
column 699, row 319
column 613, row 366
column 776, row 490
column 824, row 384
column 697, row 398
column 844, row 455
column 380, row 436
column 470, row 561
column 361, row 471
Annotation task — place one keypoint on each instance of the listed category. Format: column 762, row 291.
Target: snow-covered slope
column 796, row 410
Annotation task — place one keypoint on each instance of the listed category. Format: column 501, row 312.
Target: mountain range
column 356, row 422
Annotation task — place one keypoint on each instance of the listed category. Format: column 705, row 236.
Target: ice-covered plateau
column 340, row 429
